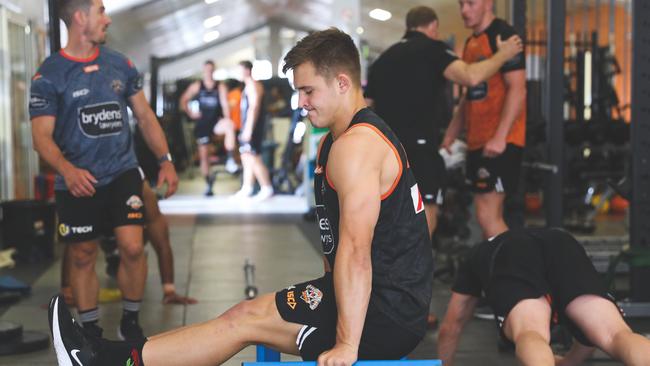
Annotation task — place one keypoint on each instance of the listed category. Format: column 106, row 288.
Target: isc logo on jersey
column 418, row 205
column 99, row 120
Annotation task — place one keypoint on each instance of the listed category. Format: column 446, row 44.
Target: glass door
column 18, row 159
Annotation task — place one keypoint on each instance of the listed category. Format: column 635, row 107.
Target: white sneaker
column 244, row 192
column 231, row 166
column 264, row 194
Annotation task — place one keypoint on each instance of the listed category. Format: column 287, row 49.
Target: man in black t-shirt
column 533, row 279
column 406, row 87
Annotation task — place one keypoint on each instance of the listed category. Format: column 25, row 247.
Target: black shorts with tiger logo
column 313, row 305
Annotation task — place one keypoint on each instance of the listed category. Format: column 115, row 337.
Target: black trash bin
column 29, row 226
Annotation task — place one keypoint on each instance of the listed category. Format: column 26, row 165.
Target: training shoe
column 130, row 330
column 93, row 330
column 209, row 183
column 263, row 194
column 244, row 192
column 69, row 340
column 231, row 166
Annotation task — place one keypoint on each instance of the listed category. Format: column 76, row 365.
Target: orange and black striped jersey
column 484, row 102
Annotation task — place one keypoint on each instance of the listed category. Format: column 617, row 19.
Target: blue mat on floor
column 8, row 283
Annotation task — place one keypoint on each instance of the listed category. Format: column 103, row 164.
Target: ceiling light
column 360, row 30
column 210, row 36
column 380, row 14
column 287, row 33
column 210, row 1
column 212, row 21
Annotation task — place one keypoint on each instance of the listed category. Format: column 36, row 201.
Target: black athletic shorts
column 560, row 270
column 203, row 131
column 254, row 146
column 116, row 204
column 429, row 169
column 499, row 174
column 313, row 305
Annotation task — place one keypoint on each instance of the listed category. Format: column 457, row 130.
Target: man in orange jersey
column 494, row 116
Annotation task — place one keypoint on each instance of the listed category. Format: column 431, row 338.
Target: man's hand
column 341, row 355
column 176, row 299
column 511, row 47
column 79, row 181
column 246, row 135
column 447, row 141
column 194, row 115
column 168, row 175
column 494, row 147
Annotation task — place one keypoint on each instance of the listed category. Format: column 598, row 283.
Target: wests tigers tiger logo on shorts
column 312, row 296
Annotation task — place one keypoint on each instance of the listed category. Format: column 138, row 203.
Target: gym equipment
column 358, row 363
column 14, row 340
column 249, row 275
column 29, row 226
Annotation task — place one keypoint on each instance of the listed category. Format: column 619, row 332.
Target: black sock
column 112, row 353
column 130, row 310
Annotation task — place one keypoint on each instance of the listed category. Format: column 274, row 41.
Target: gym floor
column 210, row 251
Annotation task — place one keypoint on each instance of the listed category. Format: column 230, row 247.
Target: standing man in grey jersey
column 78, row 108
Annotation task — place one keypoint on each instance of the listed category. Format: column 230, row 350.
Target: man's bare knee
column 251, row 309
column 530, row 333
column 83, row 255
column 132, row 250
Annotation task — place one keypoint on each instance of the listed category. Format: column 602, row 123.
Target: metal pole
column 556, row 17
column 518, row 17
column 640, row 137
column 153, row 85
column 54, row 26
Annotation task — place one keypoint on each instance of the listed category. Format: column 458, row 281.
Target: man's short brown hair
column 246, row 64
column 420, row 16
column 68, row 7
column 330, row 51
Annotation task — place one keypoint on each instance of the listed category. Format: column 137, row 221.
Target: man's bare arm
column 223, row 100
column 473, row 74
column 155, row 138
column 354, row 168
column 79, row 181
column 576, row 355
column 459, row 311
column 455, row 126
column 188, row 94
column 515, row 100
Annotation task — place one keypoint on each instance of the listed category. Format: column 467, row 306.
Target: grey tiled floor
column 210, row 251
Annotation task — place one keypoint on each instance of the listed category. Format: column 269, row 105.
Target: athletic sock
column 89, row 317
column 112, row 353
column 130, row 310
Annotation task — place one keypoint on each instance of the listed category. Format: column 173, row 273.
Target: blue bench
column 270, row 357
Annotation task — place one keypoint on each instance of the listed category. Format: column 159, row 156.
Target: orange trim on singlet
column 320, row 146
column 80, row 59
column 554, row 314
column 327, row 178
column 399, row 159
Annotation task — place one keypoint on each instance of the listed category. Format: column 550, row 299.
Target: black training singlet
column 209, row 103
column 402, row 263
